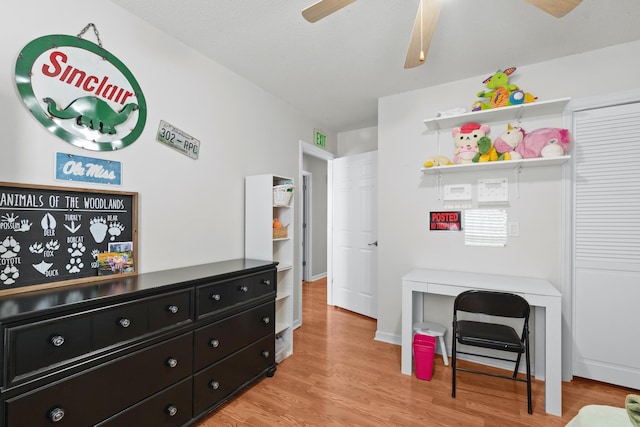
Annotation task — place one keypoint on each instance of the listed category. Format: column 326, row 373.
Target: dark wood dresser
column 156, row 349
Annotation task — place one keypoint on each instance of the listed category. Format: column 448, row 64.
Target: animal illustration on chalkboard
column 9, row 275
column 9, row 247
column 42, row 267
column 115, row 229
column 52, row 245
column 98, row 229
column 75, row 265
column 48, row 222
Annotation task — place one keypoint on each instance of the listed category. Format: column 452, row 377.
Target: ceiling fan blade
column 324, row 8
column 557, row 8
column 425, row 24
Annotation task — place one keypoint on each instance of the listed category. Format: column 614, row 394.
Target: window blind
column 607, row 187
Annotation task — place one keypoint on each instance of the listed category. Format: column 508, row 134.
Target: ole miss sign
column 80, row 92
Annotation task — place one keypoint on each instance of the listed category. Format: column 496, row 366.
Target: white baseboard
column 318, row 276
column 388, row 338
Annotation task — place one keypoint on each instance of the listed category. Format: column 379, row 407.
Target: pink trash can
column 424, row 347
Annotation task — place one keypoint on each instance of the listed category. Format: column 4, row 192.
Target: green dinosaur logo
column 92, row 112
column 81, row 92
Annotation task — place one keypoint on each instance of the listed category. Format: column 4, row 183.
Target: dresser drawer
column 219, row 339
column 168, row 408
column 214, row 384
column 170, row 310
column 44, row 344
column 264, row 283
column 120, row 323
column 225, row 294
column 96, row 394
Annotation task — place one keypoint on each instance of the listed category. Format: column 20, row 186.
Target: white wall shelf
column 514, row 114
column 511, row 113
column 506, row 164
column 260, row 211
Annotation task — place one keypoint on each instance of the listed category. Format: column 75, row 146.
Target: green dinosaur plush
column 501, row 93
column 486, row 151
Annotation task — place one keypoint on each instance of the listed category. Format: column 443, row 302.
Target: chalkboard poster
column 50, row 236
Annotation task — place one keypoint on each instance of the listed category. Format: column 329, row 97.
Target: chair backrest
column 502, row 304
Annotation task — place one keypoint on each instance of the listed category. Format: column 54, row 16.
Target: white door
column 354, row 281
column 607, row 244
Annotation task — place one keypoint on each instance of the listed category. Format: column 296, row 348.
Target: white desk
column 540, row 294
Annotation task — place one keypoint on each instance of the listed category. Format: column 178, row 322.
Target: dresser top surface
column 30, row 303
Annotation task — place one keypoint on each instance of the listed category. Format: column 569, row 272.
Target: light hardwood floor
column 339, row 376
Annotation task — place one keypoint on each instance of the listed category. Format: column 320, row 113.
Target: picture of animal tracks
column 9, row 275
column 12, row 221
column 115, row 230
column 98, row 229
column 9, row 248
column 50, row 234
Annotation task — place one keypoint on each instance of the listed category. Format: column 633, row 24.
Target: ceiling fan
column 426, row 20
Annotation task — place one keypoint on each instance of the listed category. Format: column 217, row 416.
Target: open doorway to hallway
column 313, row 163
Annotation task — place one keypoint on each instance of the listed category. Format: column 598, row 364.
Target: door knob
column 374, row 243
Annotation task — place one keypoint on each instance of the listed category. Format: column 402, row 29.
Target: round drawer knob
column 244, row 288
column 172, row 410
column 215, row 297
column 214, row 384
column 266, row 320
column 124, row 322
column 56, row 414
column 214, row 343
column 173, row 309
column 171, row 362
column 57, row 340
column 265, row 353
column 266, row 282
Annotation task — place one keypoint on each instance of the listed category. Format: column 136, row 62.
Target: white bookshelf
column 260, row 211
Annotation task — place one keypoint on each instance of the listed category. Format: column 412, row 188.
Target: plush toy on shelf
column 501, row 93
column 545, row 142
column 437, row 161
column 466, row 139
column 507, row 142
column 486, row 151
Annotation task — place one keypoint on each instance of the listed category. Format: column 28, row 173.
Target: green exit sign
column 320, row 138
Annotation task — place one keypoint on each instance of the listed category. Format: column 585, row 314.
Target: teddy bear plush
column 545, row 142
column 466, row 139
column 507, row 142
column 437, row 161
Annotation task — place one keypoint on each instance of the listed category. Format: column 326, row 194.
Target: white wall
column 406, row 195
column 357, row 141
column 190, row 211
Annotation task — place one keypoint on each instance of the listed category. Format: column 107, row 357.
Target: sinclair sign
column 81, row 92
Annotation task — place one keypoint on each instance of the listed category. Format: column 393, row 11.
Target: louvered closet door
column 607, row 245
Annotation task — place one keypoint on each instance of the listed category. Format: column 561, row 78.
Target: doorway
column 308, row 151
column 307, row 220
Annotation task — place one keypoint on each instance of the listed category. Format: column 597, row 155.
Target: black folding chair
column 493, row 336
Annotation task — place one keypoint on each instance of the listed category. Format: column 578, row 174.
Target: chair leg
column 529, row 407
column 515, row 370
column 453, row 362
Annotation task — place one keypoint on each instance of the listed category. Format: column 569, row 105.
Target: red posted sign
column 448, row 221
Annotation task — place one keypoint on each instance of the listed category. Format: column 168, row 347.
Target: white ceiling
column 334, row 71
